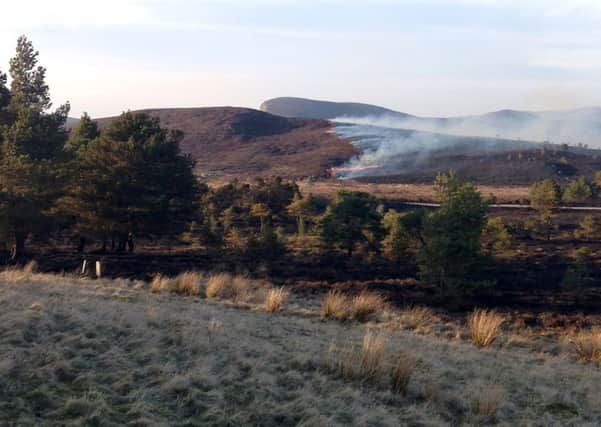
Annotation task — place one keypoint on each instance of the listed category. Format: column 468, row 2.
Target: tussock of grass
column 587, row 345
column 365, row 305
column 334, row 306
column 417, row 318
column 187, row 283
column 401, row 374
column 364, row 362
column 484, row 326
column 362, row 307
column 226, row 286
column 276, row 299
column 218, row 284
column 487, row 400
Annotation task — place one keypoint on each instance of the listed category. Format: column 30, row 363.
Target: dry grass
column 19, row 274
column 417, row 318
column 218, row 285
column 587, row 345
column 127, row 357
column 362, row 307
column 187, row 283
column 213, row 326
column 487, row 400
column 235, row 288
column 408, row 192
column 365, row 305
column 364, row 363
column 484, row 326
column 276, row 299
column 401, row 374
column 334, row 305
column 372, row 356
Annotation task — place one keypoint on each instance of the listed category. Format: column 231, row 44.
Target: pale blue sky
column 428, row 57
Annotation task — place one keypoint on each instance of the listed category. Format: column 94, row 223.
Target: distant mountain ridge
column 571, row 126
column 313, row 109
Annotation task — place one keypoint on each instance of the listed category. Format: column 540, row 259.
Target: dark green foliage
column 578, row 191
column 542, row 226
column 351, row 219
column 32, row 165
column 413, row 223
column 495, row 235
column 248, row 213
column 590, row 228
column 86, row 131
column 395, row 245
column 545, row 196
column 452, row 235
column 4, row 100
column 303, row 209
column 133, row 180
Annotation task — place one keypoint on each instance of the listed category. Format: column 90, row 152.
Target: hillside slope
column 231, row 142
column 101, row 352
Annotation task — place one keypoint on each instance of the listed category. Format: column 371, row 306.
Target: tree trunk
column 301, row 226
column 130, row 243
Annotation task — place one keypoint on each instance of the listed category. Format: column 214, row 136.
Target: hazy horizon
column 427, row 58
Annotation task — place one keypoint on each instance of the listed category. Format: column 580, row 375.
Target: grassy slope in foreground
column 111, row 352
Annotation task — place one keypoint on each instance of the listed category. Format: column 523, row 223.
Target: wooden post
column 84, row 267
column 98, row 269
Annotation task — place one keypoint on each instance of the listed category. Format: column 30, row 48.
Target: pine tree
column 133, row 180
column 86, row 131
column 32, row 150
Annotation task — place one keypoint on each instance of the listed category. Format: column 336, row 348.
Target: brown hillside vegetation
column 230, row 142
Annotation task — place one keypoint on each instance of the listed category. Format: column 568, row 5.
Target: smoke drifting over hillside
column 572, row 127
column 394, row 151
column 391, row 144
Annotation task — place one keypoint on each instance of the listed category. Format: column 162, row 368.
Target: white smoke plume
column 394, row 144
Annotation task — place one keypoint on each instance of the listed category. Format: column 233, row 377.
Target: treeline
column 130, row 178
